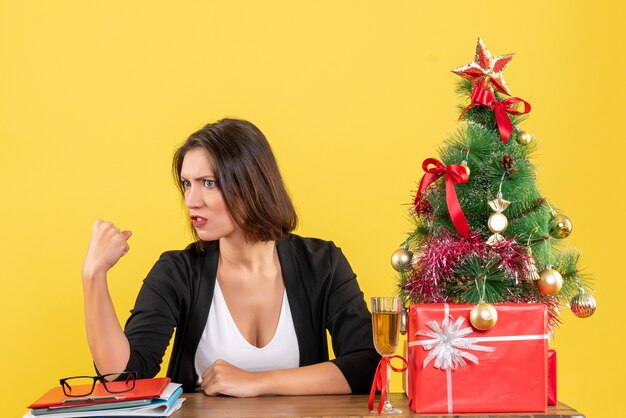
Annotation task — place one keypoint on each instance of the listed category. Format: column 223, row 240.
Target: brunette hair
column 247, row 174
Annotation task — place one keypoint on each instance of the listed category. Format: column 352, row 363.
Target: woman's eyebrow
column 211, row 176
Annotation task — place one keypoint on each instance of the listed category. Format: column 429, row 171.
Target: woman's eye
column 208, row 183
column 186, row 184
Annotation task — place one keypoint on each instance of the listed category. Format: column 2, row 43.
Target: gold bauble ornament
column 583, row 305
column 523, row 138
column 417, row 257
column 466, row 167
column 497, row 222
column 484, row 316
column 550, row 281
column 401, row 258
column 560, row 226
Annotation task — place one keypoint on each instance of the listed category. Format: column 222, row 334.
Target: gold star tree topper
column 486, row 70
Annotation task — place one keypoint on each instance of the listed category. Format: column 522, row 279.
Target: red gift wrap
column 552, row 377
column 405, row 374
column 456, row 368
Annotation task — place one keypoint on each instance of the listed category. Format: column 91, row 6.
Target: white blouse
column 221, row 339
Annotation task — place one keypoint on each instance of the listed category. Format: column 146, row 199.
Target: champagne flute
column 386, row 313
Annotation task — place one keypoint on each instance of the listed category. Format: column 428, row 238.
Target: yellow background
column 353, row 95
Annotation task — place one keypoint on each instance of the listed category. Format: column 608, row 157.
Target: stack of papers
column 150, row 398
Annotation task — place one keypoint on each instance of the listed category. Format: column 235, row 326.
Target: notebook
column 144, row 389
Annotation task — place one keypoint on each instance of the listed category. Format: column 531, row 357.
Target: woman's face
column 205, row 201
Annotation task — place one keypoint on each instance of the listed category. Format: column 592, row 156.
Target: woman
column 250, row 301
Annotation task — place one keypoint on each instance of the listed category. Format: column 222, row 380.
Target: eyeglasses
column 76, row 386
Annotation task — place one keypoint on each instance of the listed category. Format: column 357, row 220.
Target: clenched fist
column 108, row 244
column 222, row 378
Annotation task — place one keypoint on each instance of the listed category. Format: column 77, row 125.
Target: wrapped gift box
column 552, row 377
column 405, row 374
column 503, row 369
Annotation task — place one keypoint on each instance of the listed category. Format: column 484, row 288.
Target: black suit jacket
column 323, row 295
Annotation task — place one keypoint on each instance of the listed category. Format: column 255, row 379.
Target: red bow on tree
column 455, row 173
column 486, row 97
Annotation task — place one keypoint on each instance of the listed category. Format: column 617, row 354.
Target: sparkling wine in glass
column 386, row 313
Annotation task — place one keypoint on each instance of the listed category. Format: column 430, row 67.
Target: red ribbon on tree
column 485, row 97
column 381, row 380
column 455, row 173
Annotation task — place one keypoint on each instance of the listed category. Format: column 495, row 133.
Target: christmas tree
column 484, row 233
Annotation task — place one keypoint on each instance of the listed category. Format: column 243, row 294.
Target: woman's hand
column 108, row 244
column 222, row 378
column 316, row 379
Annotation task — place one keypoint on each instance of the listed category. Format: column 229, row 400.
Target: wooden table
column 198, row 405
